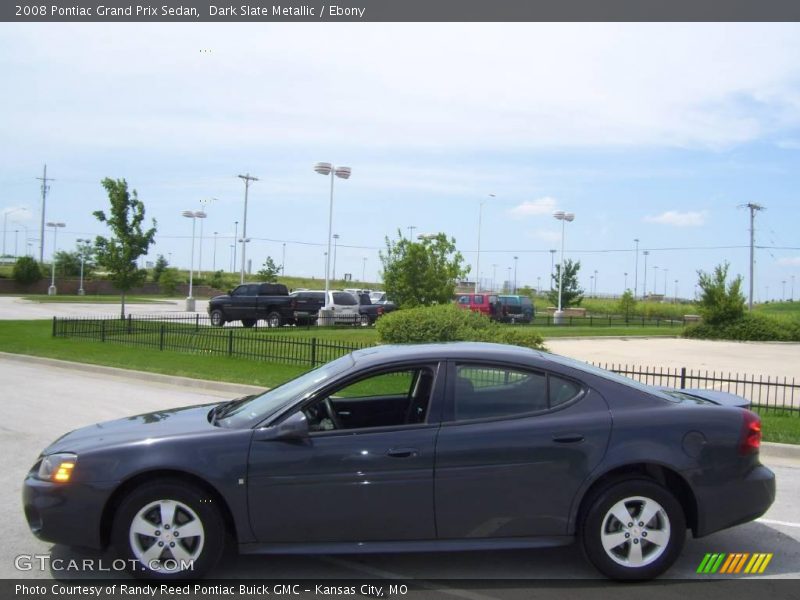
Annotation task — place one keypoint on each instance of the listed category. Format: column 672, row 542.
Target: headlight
column 57, row 467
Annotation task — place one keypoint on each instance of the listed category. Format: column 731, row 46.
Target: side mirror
column 293, row 428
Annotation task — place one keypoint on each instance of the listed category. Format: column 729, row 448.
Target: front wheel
column 274, row 319
column 217, row 318
column 633, row 530
column 167, row 530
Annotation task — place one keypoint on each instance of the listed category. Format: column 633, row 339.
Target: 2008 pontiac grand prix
column 411, row 448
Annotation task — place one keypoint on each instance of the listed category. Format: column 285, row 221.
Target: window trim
column 448, row 414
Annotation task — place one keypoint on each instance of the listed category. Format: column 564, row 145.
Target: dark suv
column 517, row 309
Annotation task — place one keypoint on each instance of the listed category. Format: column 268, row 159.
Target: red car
column 487, row 304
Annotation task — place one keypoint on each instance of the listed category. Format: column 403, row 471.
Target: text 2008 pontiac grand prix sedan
column 411, row 448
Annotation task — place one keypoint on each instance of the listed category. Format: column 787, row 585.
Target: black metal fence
column 194, row 334
column 767, row 393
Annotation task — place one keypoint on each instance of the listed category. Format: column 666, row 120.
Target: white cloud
column 679, row 219
column 529, row 208
column 791, row 261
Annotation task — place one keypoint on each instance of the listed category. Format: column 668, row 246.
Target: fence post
column 130, row 323
column 102, row 330
column 161, row 338
column 313, row 351
column 54, row 326
column 197, row 322
column 683, row 378
column 230, row 342
column 591, row 320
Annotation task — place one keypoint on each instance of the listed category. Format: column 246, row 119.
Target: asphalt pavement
column 41, row 402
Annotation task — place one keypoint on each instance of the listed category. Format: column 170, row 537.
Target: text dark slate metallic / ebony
column 459, row 446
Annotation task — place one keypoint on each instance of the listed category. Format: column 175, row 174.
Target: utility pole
column 411, row 229
column 45, row 188
column 753, row 209
column 247, row 179
column 636, row 274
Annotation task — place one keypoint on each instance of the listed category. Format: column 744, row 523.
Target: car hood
column 150, row 426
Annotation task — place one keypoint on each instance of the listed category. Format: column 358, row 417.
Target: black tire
column 191, row 507
column 365, row 321
column 217, row 318
column 645, row 559
column 248, row 322
column 274, row 319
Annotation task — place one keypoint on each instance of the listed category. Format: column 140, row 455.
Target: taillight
column 751, row 433
column 380, row 310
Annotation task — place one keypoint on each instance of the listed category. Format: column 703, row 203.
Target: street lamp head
column 323, row 168
column 343, row 172
column 188, row 213
column 335, row 236
column 54, row 224
column 200, row 214
column 569, row 217
column 559, row 214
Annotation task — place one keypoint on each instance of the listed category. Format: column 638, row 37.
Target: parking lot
column 44, row 401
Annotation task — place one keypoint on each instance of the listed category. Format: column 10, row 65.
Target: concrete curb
column 776, row 450
column 235, row 389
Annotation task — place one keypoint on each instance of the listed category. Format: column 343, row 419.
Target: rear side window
column 463, row 300
column 344, row 299
column 562, row 390
column 477, row 299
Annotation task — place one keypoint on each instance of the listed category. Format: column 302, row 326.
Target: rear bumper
column 68, row 514
column 724, row 505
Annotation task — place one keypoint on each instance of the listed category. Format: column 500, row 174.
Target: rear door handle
column 403, row 453
column 569, row 438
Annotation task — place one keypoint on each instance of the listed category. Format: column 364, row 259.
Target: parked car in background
column 251, row 302
column 372, row 311
column 517, row 309
column 484, row 303
column 462, row 446
column 308, row 303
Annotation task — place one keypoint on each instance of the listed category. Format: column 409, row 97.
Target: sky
column 656, row 132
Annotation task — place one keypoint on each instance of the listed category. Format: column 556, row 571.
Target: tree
column 118, row 254
column 627, row 304
column 158, row 269
column 26, row 270
column 571, row 292
column 168, row 281
column 421, row 273
column 269, row 271
column 68, row 264
column 720, row 302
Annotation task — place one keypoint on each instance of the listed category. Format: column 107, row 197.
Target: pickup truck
column 372, row 310
column 251, row 302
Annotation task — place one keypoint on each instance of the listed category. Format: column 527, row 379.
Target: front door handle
column 569, row 438
column 403, row 453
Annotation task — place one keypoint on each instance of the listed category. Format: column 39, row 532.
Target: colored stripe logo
column 734, row 563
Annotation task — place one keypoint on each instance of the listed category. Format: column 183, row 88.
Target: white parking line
column 783, row 523
column 468, row 595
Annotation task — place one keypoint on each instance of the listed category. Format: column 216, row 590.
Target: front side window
column 478, row 299
column 387, row 399
column 240, row 291
column 463, row 300
column 485, row 391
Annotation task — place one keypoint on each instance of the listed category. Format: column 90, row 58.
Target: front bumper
column 69, row 514
column 737, row 501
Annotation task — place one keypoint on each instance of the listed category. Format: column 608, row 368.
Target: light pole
column 552, row 256
column 783, row 292
column 247, row 179
column 655, row 280
column 214, row 254
column 636, row 269
column 243, row 241
column 5, row 220
column 508, row 279
column 676, row 292
column 595, row 283
column 363, row 269
column 83, row 249
column 193, row 215
column 51, row 291
column 591, row 285
column 235, row 237
column 335, row 245
column 283, row 260
column 665, row 282
column 494, row 275
column 515, row 274
column 411, row 229
column 564, row 217
column 327, row 169
column 538, row 285
column 646, row 253
column 478, row 255
column 625, row 286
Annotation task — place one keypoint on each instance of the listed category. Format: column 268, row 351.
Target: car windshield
column 257, row 408
column 577, row 364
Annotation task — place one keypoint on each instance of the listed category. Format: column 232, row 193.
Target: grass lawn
column 778, row 427
column 779, row 309
column 96, row 299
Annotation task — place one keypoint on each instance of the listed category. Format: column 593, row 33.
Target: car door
column 356, row 483
column 514, row 447
column 238, row 302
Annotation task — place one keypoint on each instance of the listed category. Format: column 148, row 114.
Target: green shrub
column 750, row 327
column 448, row 323
column 26, row 270
column 168, row 281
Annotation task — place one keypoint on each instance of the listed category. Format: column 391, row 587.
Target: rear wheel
column 274, row 319
column 633, row 530
column 217, row 318
column 248, row 322
column 167, row 530
column 365, row 321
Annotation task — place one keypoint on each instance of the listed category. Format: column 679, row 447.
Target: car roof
column 443, row 350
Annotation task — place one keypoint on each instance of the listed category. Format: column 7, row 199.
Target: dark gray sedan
column 411, row 448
